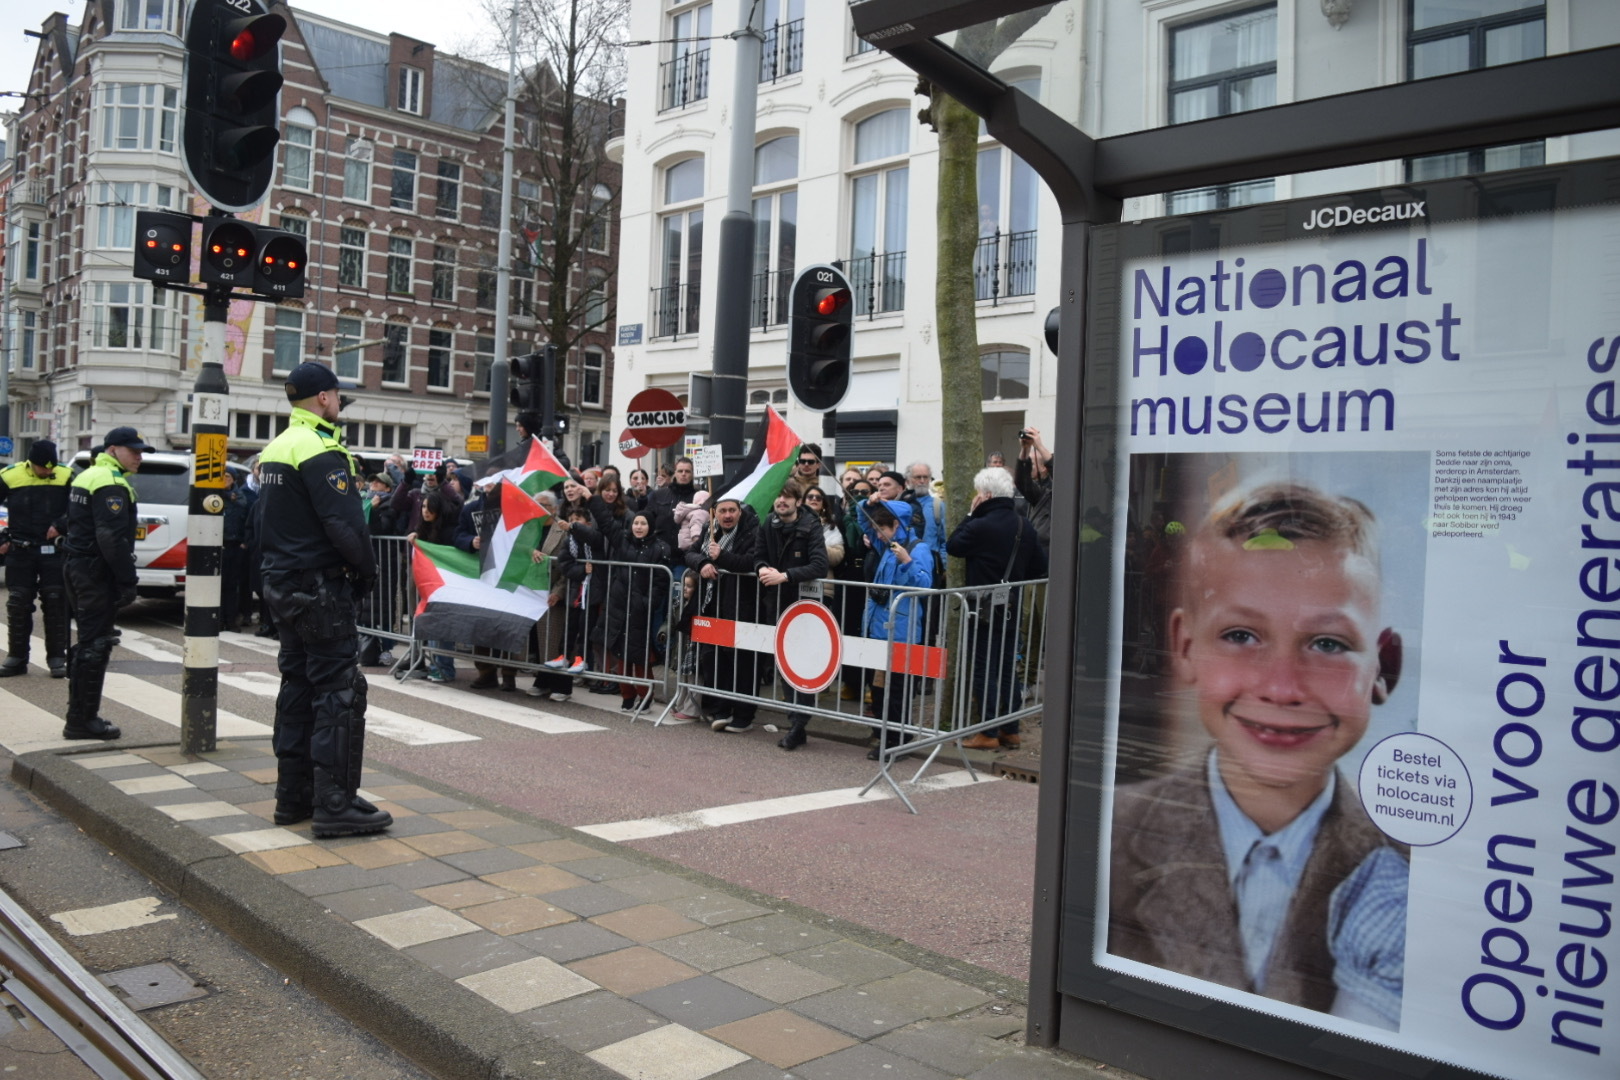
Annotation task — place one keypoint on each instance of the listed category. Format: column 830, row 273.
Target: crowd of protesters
column 619, row 545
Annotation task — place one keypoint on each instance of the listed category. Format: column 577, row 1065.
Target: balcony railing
column 683, row 80
column 1004, row 266
column 675, row 310
column 30, row 193
column 772, row 292
column 783, row 53
column 879, row 282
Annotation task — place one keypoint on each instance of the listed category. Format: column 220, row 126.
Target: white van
column 162, row 496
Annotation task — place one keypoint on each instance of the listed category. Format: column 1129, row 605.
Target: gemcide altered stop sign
column 630, row 446
column 656, row 418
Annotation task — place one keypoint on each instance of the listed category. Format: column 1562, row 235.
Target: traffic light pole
column 500, row 367
column 737, row 244
column 205, row 533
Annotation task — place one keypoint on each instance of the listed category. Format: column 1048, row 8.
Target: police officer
column 317, row 560
column 99, row 572
column 36, row 491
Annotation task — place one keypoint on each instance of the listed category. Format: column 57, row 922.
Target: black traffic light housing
column 232, row 90
column 240, row 254
column 163, row 246
column 520, row 384
column 821, row 340
column 278, row 265
column 228, row 246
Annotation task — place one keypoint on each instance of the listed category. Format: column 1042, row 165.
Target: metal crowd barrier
column 579, row 621
column 945, row 664
column 948, row 663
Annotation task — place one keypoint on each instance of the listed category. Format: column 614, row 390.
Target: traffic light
column 227, row 252
column 233, row 82
column 521, row 384
column 821, row 321
column 278, row 265
column 162, row 246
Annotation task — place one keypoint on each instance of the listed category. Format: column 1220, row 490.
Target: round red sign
column 809, row 646
column 656, row 418
column 631, row 447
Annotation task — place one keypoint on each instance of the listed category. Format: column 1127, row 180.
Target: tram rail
column 89, row 1019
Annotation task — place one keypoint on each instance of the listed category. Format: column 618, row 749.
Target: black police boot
column 795, row 737
column 341, row 812
column 14, row 665
column 57, row 633
column 58, row 665
column 293, row 807
column 94, row 728
column 84, row 691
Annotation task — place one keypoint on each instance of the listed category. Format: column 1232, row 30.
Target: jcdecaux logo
column 1331, row 217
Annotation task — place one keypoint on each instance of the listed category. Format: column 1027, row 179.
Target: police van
column 162, row 497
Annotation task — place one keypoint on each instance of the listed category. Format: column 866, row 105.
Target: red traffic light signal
column 227, row 252
column 278, row 268
column 162, row 246
column 821, row 323
column 232, row 83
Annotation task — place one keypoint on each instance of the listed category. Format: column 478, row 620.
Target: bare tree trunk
column 955, row 311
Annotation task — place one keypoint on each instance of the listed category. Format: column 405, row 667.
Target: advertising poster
column 1361, row 757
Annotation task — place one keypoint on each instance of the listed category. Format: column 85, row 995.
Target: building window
column 29, row 339
column 483, row 361
column 410, row 90
column 440, row 352
column 295, row 164
column 1462, row 35
column 289, row 339
column 776, row 216
column 31, row 252
column 122, row 318
column 1004, row 374
column 352, row 255
column 444, row 272
column 297, row 224
column 143, row 15
column 684, row 77
column 402, row 192
column 351, row 331
column 522, row 292
column 486, row 289
column 528, row 199
column 783, row 51
column 596, row 301
column 590, row 384
column 1221, row 66
column 489, row 213
column 675, row 300
column 449, row 189
column 399, row 264
column 396, row 353
column 357, row 170
column 137, row 116
column 1004, row 262
column 878, row 207
column 601, row 217
column 115, row 221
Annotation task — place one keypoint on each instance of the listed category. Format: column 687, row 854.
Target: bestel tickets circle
column 1416, row 789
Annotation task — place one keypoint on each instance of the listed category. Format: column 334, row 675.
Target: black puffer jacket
column 732, row 595
column 798, row 548
column 632, row 593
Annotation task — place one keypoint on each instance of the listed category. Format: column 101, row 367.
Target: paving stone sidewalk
column 643, row 967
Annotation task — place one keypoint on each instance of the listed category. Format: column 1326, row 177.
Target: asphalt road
column 955, row 878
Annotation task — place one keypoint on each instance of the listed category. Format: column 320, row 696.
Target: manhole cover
column 151, row 985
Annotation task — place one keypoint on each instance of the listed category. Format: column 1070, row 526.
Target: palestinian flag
column 758, row 481
column 538, row 470
column 506, row 562
column 457, row 606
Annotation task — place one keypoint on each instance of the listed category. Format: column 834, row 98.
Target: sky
column 423, row 19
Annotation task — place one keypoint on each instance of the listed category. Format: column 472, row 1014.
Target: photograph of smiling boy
column 1248, row 861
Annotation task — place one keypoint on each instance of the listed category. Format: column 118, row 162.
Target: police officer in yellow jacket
column 317, row 561
column 99, row 570
column 36, row 496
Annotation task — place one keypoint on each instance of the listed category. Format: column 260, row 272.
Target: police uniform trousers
column 319, row 734
column 31, row 574
column 92, row 595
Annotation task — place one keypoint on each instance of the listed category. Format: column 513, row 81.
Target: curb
column 420, row 1013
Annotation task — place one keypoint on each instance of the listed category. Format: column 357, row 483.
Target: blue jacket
column 917, row 574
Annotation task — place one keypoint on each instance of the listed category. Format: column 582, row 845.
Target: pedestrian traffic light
column 821, row 321
column 233, row 83
column 162, row 246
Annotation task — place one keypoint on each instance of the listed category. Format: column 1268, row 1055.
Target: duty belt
column 33, row 544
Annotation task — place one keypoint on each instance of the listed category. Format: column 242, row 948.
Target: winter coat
column 731, row 595
column 990, row 541
column 692, row 521
column 1038, row 494
column 582, row 544
column 610, row 524
column 632, row 594
column 903, row 623
column 664, row 500
column 798, row 549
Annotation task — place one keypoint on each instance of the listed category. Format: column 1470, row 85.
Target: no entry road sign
column 656, row 418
